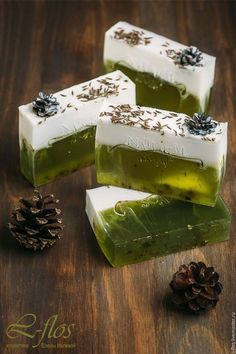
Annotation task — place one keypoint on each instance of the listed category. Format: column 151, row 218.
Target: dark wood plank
column 54, row 44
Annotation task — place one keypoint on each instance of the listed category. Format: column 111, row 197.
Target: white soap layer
column 74, row 114
column 106, row 197
column 171, row 135
column 152, row 58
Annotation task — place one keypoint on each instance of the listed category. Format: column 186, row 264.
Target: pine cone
column 45, row 105
column 196, row 287
column 200, row 124
column 190, row 56
column 35, row 223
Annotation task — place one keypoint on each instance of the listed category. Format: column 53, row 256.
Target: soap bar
column 59, row 144
column 132, row 226
column 167, row 74
column 157, row 151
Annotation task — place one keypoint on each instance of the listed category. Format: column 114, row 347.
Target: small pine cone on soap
column 45, row 105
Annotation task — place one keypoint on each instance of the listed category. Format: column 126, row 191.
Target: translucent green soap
column 154, row 92
column 60, row 158
column 156, row 172
column 131, row 231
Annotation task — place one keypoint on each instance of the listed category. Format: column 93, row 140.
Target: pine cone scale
column 35, row 211
column 53, row 233
column 26, row 203
column 19, row 218
column 31, row 232
column 194, row 306
column 48, row 211
column 190, row 295
column 41, row 221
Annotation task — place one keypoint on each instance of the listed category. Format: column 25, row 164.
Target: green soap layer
column 134, row 231
column 154, row 92
column 60, row 158
column 158, row 173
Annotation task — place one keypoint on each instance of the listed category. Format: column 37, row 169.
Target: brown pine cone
column 196, row 287
column 36, row 223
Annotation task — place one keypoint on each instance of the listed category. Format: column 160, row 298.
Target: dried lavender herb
column 133, row 37
column 106, row 89
column 125, row 114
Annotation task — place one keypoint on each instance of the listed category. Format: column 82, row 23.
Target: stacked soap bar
column 132, row 226
column 57, row 132
column 167, row 74
column 161, row 152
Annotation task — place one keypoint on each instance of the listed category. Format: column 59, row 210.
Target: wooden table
column 51, row 45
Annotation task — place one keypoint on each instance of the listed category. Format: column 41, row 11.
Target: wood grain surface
column 55, row 44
